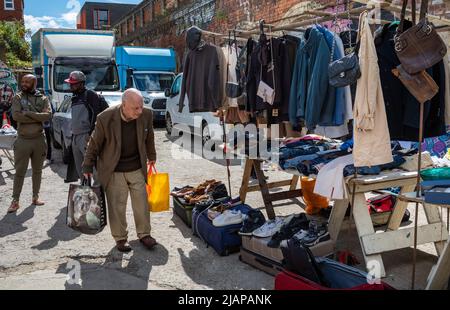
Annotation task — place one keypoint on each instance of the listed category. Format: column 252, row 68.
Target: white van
column 200, row 123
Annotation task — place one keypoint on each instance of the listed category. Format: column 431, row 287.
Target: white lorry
column 57, row 52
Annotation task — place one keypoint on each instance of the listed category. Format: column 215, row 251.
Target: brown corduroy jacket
column 103, row 150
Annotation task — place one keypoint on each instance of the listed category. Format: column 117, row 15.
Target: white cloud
column 66, row 20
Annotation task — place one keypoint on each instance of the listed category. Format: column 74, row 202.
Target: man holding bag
column 121, row 144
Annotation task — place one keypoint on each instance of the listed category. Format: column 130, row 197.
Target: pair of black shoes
column 289, row 229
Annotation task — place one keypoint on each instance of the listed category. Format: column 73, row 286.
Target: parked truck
column 57, row 52
column 151, row 70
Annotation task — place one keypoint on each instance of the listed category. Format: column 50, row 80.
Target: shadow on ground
column 119, row 271
column 13, row 223
column 58, row 232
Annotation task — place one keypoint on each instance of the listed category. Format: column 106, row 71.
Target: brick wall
column 11, row 15
column 167, row 20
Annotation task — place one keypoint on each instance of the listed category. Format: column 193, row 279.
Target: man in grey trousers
column 86, row 105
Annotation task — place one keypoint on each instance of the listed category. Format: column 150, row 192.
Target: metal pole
column 418, row 194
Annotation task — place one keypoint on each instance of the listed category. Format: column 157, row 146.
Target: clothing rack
column 388, row 6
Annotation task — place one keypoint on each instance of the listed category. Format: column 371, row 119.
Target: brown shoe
column 37, row 202
column 13, row 207
column 123, row 246
column 148, row 242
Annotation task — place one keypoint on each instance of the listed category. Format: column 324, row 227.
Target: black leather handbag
column 344, row 71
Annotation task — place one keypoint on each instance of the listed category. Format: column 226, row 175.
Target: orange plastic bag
column 158, row 192
column 313, row 201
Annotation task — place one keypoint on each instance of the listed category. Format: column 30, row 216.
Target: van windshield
column 99, row 76
column 153, row 81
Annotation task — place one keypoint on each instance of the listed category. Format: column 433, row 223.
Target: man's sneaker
column 317, row 233
column 228, row 217
column 269, row 228
column 253, row 220
column 293, row 225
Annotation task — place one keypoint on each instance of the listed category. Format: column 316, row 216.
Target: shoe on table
column 148, row 242
column 317, row 233
column 13, row 207
column 123, row 246
column 228, row 217
column 37, row 202
column 269, row 228
column 292, row 225
column 253, row 220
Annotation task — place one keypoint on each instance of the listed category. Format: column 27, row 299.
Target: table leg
column 364, row 226
column 433, row 216
column 264, row 189
column 399, row 210
column 440, row 275
column 294, row 182
column 337, row 218
column 245, row 179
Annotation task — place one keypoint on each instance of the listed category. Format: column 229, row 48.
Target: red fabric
column 384, row 204
column 288, row 281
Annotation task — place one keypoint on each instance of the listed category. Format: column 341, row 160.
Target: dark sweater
column 201, row 80
column 129, row 152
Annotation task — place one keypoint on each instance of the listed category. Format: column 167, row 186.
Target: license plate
column 162, row 113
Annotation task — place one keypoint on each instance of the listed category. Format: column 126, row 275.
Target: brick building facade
column 160, row 23
column 11, row 10
column 100, row 16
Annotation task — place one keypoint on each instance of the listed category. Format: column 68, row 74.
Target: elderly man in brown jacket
column 120, row 146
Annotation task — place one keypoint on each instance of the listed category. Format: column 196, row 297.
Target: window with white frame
column 9, row 4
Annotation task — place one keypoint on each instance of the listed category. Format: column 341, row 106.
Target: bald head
column 132, row 104
column 28, row 83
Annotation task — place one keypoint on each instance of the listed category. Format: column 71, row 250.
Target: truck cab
column 57, row 52
column 151, row 71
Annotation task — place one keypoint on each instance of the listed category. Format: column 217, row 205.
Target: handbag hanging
column 420, row 47
column 421, row 85
column 345, row 71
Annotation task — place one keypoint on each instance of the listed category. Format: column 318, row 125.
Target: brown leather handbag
column 420, row 47
column 421, row 85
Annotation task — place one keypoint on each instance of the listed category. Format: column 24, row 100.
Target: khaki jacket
column 372, row 141
column 103, row 149
column 30, row 111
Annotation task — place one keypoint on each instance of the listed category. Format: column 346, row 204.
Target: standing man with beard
column 30, row 109
column 86, row 105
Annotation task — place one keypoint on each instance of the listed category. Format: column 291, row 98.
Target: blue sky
column 57, row 13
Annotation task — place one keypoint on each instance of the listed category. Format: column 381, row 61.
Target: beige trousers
column 120, row 184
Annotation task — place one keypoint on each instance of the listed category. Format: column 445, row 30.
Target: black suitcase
column 183, row 210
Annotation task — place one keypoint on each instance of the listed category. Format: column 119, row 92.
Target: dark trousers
column 49, row 140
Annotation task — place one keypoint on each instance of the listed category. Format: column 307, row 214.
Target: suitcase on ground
column 260, row 262
column 304, row 271
column 346, row 277
column 183, row 210
column 225, row 240
column 255, row 252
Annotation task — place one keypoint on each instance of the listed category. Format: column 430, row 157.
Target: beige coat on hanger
column 372, row 142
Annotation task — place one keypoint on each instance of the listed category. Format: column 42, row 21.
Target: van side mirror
column 167, row 92
column 38, row 71
column 129, row 83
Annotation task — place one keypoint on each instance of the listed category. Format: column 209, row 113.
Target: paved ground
column 37, row 250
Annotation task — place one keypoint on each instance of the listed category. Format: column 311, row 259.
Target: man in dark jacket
column 86, row 105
